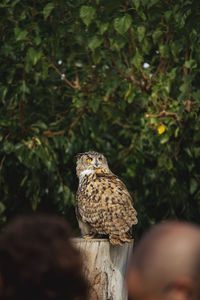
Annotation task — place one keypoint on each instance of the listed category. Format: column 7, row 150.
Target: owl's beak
column 96, row 163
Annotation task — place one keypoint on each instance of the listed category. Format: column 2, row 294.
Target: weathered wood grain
column 105, row 267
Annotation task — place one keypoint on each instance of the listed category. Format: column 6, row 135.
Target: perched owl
column 104, row 206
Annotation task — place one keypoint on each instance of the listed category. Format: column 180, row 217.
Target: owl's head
column 90, row 161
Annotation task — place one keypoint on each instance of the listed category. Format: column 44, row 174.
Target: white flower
column 146, row 65
column 62, row 76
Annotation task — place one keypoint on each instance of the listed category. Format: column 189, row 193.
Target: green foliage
column 118, row 77
column 122, row 24
column 87, row 14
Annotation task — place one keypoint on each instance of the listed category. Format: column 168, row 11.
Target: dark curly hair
column 38, row 261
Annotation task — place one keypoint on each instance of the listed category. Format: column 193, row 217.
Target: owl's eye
column 89, row 159
column 100, row 159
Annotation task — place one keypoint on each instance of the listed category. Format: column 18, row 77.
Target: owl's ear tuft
column 78, row 155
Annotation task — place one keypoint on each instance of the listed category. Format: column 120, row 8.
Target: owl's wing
column 87, row 209
column 106, row 204
column 121, row 213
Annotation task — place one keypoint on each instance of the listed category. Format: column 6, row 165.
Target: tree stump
column 104, row 267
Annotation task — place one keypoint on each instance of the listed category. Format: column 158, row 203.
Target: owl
column 103, row 205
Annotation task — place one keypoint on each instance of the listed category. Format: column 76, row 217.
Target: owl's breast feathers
column 104, row 202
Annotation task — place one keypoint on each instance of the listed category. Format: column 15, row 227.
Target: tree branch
column 164, row 114
column 79, row 117
column 126, row 153
column 2, row 161
column 53, row 133
column 76, row 86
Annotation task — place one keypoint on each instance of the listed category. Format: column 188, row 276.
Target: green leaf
column 87, row 14
column 2, row 208
column 40, row 125
column 193, row 186
column 95, row 42
column 142, row 14
column 152, row 3
column 35, row 201
column 176, row 47
column 103, row 27
column 164, row 139
column 121, row 25
column 197, row 136
column 47, row 9
column 136, row 3
column 141, row 32
column 34, row 55
column 20, row 34
column 38, row 40
column 184, row 88
column 24, row 88
column 168, row 15
column 190, row 64
column 172, row 74
column 130, row 98
column 137, row 60
column 45, row 68
column 117, row 43
column 14, row 2
column 164, row 50
column 4, row 91
column 176, row 132
column 188, row 151
column 8, row 147
column 146, row 45
column 24, row 180
column 156, row 35
column 94, row 104
column 96, row 56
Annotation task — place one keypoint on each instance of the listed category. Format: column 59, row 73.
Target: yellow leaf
column 37, row 141
column 161, row 129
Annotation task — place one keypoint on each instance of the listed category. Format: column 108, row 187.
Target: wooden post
column 105, row 267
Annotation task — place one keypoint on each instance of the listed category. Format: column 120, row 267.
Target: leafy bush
column 118, row 77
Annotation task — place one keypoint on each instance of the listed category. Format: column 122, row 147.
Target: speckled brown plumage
column 104, row 205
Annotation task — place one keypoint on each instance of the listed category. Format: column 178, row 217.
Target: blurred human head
column 38, row 261
column 166, row 264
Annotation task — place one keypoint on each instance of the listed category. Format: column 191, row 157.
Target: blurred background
column 118, row 77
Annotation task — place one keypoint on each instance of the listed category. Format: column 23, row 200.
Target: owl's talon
column 88, row 236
